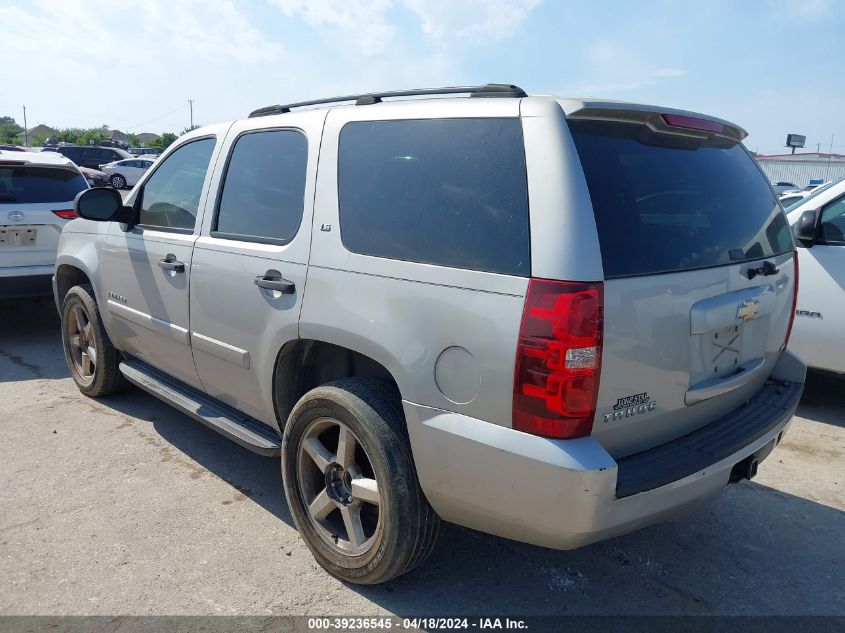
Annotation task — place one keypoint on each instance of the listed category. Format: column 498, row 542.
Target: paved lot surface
column 124, row 506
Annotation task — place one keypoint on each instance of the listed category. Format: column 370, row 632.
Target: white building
column 800, row 169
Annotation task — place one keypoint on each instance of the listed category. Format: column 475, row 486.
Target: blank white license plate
column 18, row 236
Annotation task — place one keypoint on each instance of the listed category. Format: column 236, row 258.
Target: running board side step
column 238, row 427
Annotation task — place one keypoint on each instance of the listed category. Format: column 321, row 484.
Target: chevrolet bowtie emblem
column 747, row 310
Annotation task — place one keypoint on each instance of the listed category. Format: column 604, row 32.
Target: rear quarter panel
column 447, row 335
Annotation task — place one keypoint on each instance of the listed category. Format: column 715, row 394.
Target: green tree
column 83, row 136
column 93, row 136
column 9, row 130
column 133, row 140
column 164, row 141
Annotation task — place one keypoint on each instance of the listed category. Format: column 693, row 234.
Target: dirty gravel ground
column 124, row 506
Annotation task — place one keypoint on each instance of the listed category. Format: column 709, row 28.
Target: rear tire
column 91, row 358
column 118, row 181
column 350, row 482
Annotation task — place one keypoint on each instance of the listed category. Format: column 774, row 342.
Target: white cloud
column 73, row 27
column 85, row 63
column 615, row 67
column 214, row 30
column 471, row 19
column 669, row 72
column 368, row 27
column 808, row 10
column 364, row 19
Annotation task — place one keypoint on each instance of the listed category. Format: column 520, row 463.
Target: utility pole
column 818, row 148
column 191, row 106
column 25, row 130
column 827, row 173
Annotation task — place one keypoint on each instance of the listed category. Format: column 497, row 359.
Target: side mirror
column 804, row 229
column 102, row 204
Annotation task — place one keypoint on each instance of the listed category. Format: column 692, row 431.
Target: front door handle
column 273, row 280
column 170, row 263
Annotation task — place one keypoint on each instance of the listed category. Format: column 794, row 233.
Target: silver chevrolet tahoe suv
column 554, row 320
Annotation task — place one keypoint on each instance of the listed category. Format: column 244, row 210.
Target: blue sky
column 773, row 66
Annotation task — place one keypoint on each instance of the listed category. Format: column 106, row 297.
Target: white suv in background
column 36, row 200
column 819, row 228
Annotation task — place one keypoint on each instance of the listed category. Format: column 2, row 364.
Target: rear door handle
column 273, row 280
column 170, row 263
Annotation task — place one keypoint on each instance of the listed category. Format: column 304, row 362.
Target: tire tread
column 379, row 405
column 108, row 379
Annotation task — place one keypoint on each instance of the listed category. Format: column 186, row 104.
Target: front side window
column 170, row 198
column 832, row 223
column 264, row 187
column 451, row 192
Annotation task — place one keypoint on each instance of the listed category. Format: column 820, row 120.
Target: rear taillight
column 692, row 123
column 558, row 358
column 65, row 214
column 794, row 300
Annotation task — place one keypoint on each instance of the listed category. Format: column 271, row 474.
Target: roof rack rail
column 487, row 90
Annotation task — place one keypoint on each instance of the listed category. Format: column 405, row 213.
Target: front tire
column 350, row 482
column 91, row 358
column 118, row 181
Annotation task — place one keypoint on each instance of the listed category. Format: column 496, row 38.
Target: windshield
column 28, row 184
column 790, row 205
column 668, row 202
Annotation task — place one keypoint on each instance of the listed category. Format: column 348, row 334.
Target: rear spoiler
column 665, row 120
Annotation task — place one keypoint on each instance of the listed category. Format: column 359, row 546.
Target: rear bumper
column 566, row 493
column 25, row 282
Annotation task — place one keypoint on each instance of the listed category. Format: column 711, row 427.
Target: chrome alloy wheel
column 80, row 342
column 337, row 484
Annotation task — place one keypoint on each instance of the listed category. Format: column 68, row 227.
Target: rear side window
column 264, row 187
column 451, row 192
column 27, row 184
column 73, row 153
column 665, row 202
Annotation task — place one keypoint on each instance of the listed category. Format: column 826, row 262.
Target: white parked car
column 36, row 201
column 813, row 186
column 782, row 186
column 792, row 199
column 818, row 225
column 789, row 199
column 127, row 172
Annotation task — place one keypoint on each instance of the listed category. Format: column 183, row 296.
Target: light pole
column 25, row 130
column 191, row 106
column 829, row 155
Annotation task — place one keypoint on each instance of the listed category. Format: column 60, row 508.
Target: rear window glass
column 27, row 184
column 264, row 188
column 665, row 202
column 450, row 192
